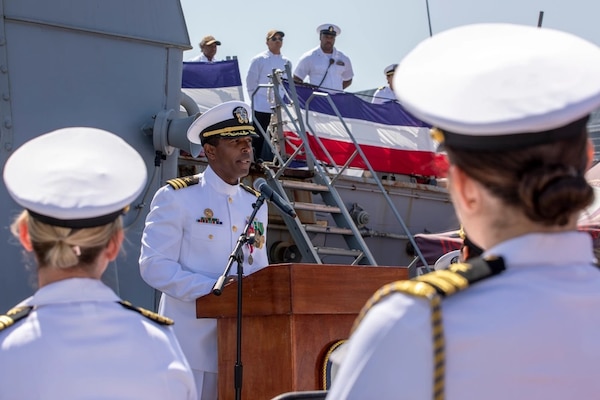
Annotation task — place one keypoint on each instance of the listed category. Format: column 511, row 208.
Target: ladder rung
column 316, row 207
column 333, row 251
column 299, row 185
column 328, row 229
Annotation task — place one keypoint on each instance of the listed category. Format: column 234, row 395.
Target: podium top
column 301, row 289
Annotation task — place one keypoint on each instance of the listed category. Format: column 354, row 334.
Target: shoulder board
column 14, row 315
column 180, row 183
column 381, row 88
column 147, row 313
column 460, row 276
column 250, row 190
column 442, row 283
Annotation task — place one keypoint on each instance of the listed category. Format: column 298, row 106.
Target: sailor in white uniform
column 208, row 50
column 386, row 93
column 192, row 228
column 261, row 68
column 513, row 123
column 326, row 67
column 75, row 338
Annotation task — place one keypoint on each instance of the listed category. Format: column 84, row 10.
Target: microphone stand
column 238, row 255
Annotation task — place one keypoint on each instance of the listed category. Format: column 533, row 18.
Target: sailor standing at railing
column 208, row 47
column 326, row 67
column 259, row 72
column 386, row 93
column 510, row 104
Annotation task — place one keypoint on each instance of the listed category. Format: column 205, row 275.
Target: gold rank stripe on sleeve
column 250, row 190
column 433, row 287
column 162, row 320
column 180, row 183
column 14, row 315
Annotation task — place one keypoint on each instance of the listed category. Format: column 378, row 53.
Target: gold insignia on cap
column 437, row 135
column 241, row 114
column 208, row 213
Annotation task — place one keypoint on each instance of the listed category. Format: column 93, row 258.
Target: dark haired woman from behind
column 511, row 105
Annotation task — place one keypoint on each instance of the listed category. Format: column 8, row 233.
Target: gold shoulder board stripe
column 14, row 315
column 250, row 190
column 186, row 181
column 147, row 313
column 433, row 287
column 462, row 275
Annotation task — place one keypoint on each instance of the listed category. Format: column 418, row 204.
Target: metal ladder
column 320, row 180
column 356, row 250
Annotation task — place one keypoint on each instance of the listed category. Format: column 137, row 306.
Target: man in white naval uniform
column 193, row 226
column 325, row 66
column 386, row 93
column 261, row 67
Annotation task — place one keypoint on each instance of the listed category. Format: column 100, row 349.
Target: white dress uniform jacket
column 261, row 66
column 383, row 95
column 183, row 254
column 529, row 333
column 79, row 343
column 314, row 64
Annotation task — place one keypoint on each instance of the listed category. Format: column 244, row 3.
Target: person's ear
column 114, row 245
column 466, row 192
column 209, row 151
column 24, row 237
column 590, row 154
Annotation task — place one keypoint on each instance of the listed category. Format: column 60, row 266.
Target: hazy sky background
column 375, row 33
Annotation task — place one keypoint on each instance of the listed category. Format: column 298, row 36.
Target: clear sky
column 375, row 33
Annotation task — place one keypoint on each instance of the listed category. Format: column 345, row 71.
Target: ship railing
column 302, row 125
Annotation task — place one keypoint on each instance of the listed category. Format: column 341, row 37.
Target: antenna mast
column 428, row 17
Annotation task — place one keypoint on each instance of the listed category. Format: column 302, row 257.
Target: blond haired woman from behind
column 74, row 338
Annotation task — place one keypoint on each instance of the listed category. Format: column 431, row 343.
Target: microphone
column 263, row 187
column 331, row 61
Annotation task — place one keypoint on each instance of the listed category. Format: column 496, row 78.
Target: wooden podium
column 291, row 314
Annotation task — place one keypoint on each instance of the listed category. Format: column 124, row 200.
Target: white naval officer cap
column 226, row 120
column 329, row 29
column 452, row 257
column 496, row 86
column 390, row 69
column 77, row 177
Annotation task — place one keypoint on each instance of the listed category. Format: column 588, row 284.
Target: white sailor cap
column 452, row 257
column 490, row 86
column 76, row 177
column 390, row 69
column 329, row 29
column 226, row 120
